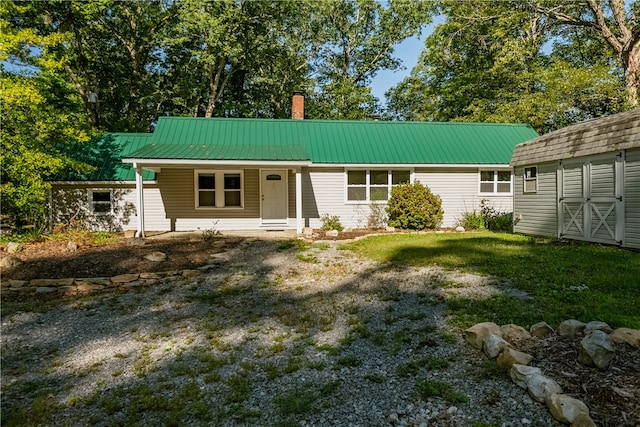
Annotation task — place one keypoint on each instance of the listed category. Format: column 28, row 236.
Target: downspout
column 139, row 201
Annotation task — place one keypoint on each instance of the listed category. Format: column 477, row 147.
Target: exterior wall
column 536, row 213
column 459, row 190
column 632, row 199
column 177, row 188
column 324, row 193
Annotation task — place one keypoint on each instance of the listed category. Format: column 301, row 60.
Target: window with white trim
column 100, row 201
column 374, row 185
column 495, row 182
column 530, row 179
column 219, row 189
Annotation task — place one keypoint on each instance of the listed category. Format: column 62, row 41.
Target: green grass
column 435, row 388
column 563, row 279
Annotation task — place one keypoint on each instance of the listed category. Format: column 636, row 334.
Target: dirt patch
column 53, row 259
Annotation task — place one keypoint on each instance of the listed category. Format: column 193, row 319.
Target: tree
column 615, row 21
column 358, row 37
column 489, row 62
column 40, row 116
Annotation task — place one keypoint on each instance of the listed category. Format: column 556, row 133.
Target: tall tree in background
column 40, row 114
column 489, row 62
column 358, row 37
column 615, row 21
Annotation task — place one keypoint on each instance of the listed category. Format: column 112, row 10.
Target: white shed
column 581, row 182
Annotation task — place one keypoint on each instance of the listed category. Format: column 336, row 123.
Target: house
column 244, row 174
column 581, row 182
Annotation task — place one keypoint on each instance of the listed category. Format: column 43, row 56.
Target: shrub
column 331, row 222
column 414, row 207
column 471, row 221
column 495, row 220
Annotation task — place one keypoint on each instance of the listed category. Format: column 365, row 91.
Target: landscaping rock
column 52, row 282
column 390, row 229
column 571, row 327
column 155, row 256
column 583, row 420
column 45, row 290
column 541, row 387
column 541, row 330
column 10, row 261
column 595, row 325
column 596, row 349
column 492, row 345
column 512, row 333
column 13, row 247
column 15, row 283
column 191, row 273
column 565, row 408
column 136, row 241
column 88, row 287
column 509, row 357
column 147, row 276
column 124, row 278
column 476, row 334
column 332, row 233
column 72, row 246
column 520, row 373
column 307, row 232
column 460, row 229
column 626, row 335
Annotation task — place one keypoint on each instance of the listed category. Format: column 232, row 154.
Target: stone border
column 495, row 342
column 82, row 286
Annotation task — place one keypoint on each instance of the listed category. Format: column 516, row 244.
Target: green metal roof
column 106, row 152
column 223, row 152
column 334, row 142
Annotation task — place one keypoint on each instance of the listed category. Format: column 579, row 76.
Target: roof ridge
column 306, row 121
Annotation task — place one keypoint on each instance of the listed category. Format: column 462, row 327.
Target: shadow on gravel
column 275, row 337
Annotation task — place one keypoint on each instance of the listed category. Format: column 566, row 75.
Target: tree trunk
column 631, row 61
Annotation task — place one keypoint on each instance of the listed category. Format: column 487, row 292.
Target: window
column 495, row 182
column 374, row 185
column 100, row 201
column 531, row 179
column 219, row 189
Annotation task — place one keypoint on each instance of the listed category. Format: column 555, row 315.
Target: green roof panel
column 334, row 142
column 106, row 152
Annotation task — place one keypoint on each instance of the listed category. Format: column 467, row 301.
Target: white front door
column 274, row 203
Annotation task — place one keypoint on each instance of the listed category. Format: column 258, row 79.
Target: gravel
column 275, row 336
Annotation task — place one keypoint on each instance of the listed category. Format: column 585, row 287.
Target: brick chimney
column 297, row 106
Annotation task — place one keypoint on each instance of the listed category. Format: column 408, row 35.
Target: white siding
column 155, row 218
column 632, row 199
column 324, row 193
column 536, row 213
column 459, row 191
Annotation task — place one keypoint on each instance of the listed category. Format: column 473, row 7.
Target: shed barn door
column 590, row 203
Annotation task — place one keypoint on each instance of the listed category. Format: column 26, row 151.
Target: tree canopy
column 545, row 63
column 73, row 69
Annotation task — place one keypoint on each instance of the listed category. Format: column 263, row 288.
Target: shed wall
column 632, row 199
column 536, row 213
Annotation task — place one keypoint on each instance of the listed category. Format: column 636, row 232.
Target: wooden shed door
column 590, row 202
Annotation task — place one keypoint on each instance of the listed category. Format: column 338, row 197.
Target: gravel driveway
column 281, row 335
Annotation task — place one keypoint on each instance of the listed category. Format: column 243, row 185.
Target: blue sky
column 408, row 52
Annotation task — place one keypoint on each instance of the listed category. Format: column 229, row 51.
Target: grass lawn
column 564, row 280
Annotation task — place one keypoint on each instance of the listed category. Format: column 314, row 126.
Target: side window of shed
column 531, row 179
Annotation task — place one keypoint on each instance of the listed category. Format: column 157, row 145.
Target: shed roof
column 612, row 133
column 333, row 142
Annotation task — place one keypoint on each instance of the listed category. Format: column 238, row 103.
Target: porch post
column 299, row 221
column 139, row 201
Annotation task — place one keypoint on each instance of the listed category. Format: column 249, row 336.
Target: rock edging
column 85, row 285
column 596, row 349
